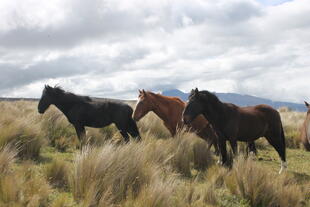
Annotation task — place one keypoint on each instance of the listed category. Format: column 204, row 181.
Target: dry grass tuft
column 112, row 170
column 20, row 129
column 57, row 173
column 7, row 158
column 261, row 187
column 23, row 187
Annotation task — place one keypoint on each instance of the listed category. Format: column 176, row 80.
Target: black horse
column 234, row 123
column 82, row 111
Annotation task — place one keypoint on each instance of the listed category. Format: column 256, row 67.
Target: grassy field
column 40, row 166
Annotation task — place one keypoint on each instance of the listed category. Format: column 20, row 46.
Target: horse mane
column 210, row 97
column 172, row 98
column 59, row 92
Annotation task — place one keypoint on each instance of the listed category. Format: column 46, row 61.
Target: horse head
column 143, row 105
column 193, row 107
column 46, row 99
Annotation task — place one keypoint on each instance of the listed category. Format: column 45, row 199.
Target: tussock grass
column 119, row 171
column 111, row 170
column 62, row 201
column 261, row 186
column 23, row 186
column 158, row 171
column 7, row 158
column 153, row 125
column 57, row 173
column 21, row 130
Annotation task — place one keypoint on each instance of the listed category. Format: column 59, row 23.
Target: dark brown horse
column 170, row 109
column 305, row 130
column 237, row 123
column 83, row 111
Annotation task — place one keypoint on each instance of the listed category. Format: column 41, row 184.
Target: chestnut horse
column 305, row 130
column 170, row 109
column 237, row 123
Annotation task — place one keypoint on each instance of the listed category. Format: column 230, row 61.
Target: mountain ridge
column 241, row 100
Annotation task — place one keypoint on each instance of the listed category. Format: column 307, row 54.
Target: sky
column 112, row 48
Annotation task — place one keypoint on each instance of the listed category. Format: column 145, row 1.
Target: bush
column 261, row 187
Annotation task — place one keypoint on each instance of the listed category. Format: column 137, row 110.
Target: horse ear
column 139, row 91
column 307, row 105
column 196, row 91
column 143, row 91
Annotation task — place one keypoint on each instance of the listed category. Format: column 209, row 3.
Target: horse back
column 256, row 121
column 100, row 113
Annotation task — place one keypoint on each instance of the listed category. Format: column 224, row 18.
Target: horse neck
column 216, row 116
column 63, row 104
column 162, row 107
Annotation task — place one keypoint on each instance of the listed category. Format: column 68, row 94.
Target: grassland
column 40, row 166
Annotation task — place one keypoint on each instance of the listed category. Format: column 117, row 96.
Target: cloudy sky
column 112, row 48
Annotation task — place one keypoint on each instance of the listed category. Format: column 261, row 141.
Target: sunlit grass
column 159, row 171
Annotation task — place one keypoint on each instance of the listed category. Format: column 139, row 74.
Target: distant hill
column 241, row 100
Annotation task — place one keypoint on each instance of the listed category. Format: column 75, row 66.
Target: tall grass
column 158, row 171
column 292, row 122
column 23, row 186
column 262, row 187
column 57, row 173
column 114, row 172
column 20, row 128
column 7, row 157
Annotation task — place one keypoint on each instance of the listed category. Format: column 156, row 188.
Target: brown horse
column 170, row 109
column 305, row 130
column 235, row 123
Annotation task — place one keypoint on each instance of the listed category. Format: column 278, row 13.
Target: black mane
column 206, row 96
column 59, row 92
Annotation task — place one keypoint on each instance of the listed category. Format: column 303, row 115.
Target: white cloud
column 110, row 48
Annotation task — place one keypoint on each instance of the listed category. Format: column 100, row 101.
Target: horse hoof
column 283, row 167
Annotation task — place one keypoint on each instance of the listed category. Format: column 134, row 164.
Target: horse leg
column 234, row 146
column 278, row 143
column 125, row 135
column 251, row 148
column 123, row 130
column 133, row 129
column 80, row 131
column 222, row 146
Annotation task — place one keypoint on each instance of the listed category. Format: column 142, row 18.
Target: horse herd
column 212, row 120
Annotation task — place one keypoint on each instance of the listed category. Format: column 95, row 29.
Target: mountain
column 241, row 100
